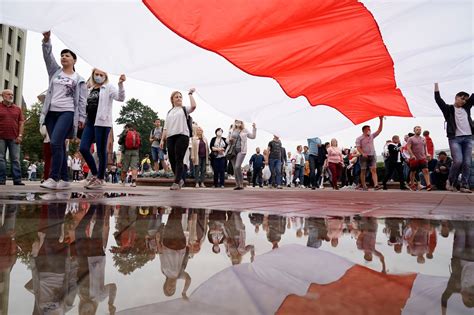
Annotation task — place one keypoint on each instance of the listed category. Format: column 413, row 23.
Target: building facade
column 12, row 60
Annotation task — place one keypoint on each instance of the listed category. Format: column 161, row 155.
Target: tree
column 32, row 144
column 142, row 118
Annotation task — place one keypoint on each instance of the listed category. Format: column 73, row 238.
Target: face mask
column 219, row 133
column 98, row 79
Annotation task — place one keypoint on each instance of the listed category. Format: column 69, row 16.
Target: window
column 5, row 84
column 17, row 68
column 9, row 57
column 15, row 90
column 10, row 35
column 18, row 44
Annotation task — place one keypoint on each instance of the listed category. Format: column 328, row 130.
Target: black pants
column 392, row 167
column 257, row 176
column 218, row 166
column 75, row 175
column 314, row 164
column 177, row 146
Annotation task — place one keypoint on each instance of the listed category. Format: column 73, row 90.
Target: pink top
column 334, row 155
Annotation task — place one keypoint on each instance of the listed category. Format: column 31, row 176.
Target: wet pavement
column 148, row 251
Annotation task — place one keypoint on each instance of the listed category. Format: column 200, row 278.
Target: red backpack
column 132, row 140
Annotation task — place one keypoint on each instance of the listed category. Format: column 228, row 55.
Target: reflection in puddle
column 88, row 258
column 29, row 196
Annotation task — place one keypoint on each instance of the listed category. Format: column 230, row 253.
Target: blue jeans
column 99, row 135
column 275, row 169
column 461, row 151
column 59, row 126
column 218, row 166
column 14, row 151
column 200, row 170
column 299, row 174
column 157, row 154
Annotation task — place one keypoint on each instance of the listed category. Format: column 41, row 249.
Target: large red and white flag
column 275, row 62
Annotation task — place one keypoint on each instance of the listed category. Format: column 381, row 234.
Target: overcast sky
column 157, row 97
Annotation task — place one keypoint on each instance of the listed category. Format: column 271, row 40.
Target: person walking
column 99, row 123
column 394, row 163
column 299, row 167
column 368, row 158
column 315, row 166
column 238, row 136
column 11, row 136
column 459, row 130
column 275, row 161
column 176, row 133
column 199, row 157
column 157, row 154
column 335, row 163
column 64, row 110
column 419, row 156
column 218, row 161
column 257, row 162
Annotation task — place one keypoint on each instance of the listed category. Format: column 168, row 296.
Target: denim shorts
column 157, row 154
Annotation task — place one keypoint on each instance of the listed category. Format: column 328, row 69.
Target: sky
column 157, row 97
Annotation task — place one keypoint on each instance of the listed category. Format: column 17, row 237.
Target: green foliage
column 142, row 117
column 32, row 144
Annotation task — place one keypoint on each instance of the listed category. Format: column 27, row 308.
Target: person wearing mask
column 199, row 156
column 157, row 153
column 99, row 123
column 459, row 130
column 256, row 163
column 218, row 145
column 416, row 147
column 63, row 112
column 11, row 135
column 315, row 167
column 335, row 162
column 394, row 163
column 238, row 136
column 275, row 161
column 176, row 133
column 368, row 159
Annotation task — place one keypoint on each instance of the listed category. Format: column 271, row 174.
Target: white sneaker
column 89, row 181
column 465, row 190
column 49, row 184
column 62, row 185
column 95, row 184
column 134, row 184
column 48, row 196
column 197, row 185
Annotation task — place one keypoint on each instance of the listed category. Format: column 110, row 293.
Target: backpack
column 132, row 140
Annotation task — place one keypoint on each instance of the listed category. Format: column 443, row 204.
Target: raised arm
column 51, row 64
column 192, row 100
column 119, row 95
column 253, row 134
column 379, row 130
column 441, row 104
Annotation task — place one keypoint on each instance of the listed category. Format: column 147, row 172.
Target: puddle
column 87, row 258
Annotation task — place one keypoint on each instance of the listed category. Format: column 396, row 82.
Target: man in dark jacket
column 394, row 163
column 257, row 163
column 441, row 170
column 459, row 129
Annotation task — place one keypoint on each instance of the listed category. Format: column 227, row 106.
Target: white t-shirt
column 33, row 168
column 64, row 88
column 175, row 123
column 463, row 128
column 76, row 164
column 172, row 262
column 299, row 159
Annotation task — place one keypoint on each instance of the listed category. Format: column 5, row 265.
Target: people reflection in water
column 420, row 237
column 8, row 251
column 174, row 253
column 276, row 228
column 297, row 224
column 317, row 232
column 234, row 241
column 54, row 276
column 364, row 230
column 89, row 247
column 394, row 231
column 462, row 265
column 197, row 227
column 256, row 219
column 216, row 233
column 335, row 226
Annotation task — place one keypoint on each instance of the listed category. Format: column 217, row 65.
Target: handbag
column 230, row 152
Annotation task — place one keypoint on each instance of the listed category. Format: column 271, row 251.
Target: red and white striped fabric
column 273, row 61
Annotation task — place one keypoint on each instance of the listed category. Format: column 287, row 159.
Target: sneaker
column 414, row 187
column 465, row 190
column 89, row 181
column 95, row 184
column 48, row 196
column 197, row 185
column 448, row 186
column 279, row 187
column 134, row 184
column 49, row 184
column 238, row 188
column 63, row 185
column 181, row 183
column 19, row 184
column 202, row 185
column 377, row 187
column 429, row 187
column 175, row 187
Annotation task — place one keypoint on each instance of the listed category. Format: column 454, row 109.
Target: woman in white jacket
column 238, row 144
column 99, row 123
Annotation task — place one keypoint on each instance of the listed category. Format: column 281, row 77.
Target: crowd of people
column 77, row 108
